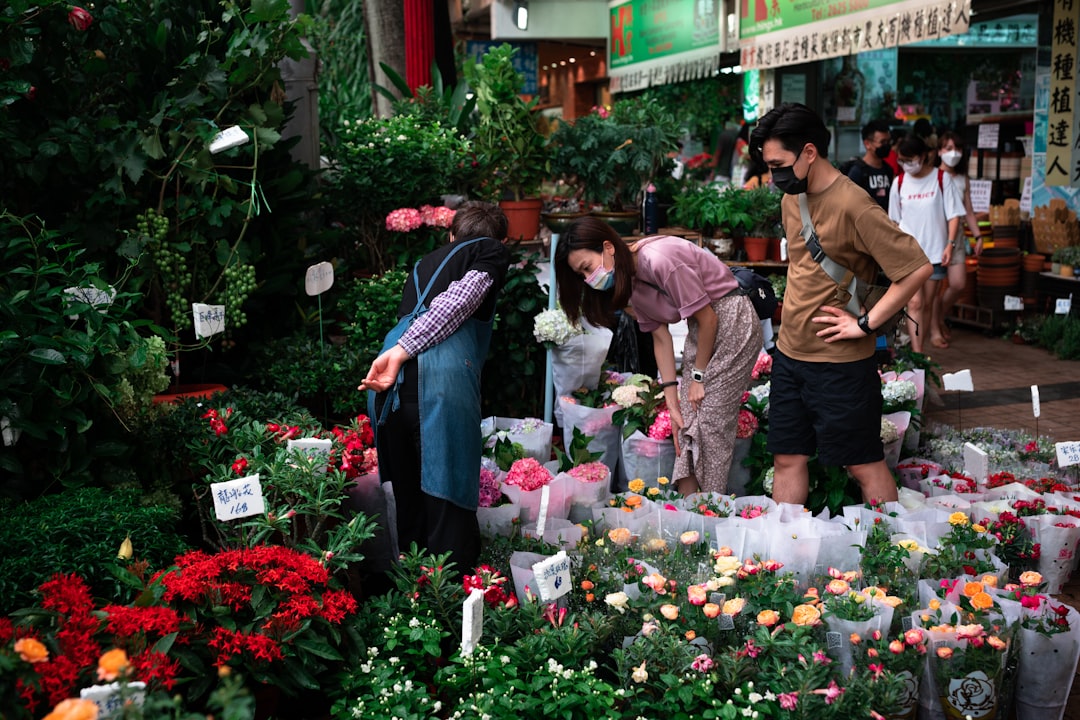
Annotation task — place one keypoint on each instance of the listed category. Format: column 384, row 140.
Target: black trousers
column 433, row 523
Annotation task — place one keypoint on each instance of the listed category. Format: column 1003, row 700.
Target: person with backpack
column 870, row 172
column 826, row 392
column 663, row 279
column 926, row 203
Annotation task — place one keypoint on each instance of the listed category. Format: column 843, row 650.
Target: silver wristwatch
column 697, row 375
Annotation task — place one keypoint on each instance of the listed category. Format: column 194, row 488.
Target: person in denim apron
column 424, row 388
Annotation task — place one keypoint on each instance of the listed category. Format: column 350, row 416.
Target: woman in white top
column 954, row 161
column 927, row 205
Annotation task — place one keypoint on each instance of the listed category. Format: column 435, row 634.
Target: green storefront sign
column 644, row 30
column 764, row 16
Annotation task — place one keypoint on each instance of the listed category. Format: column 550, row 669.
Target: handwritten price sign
column 1068, row 453
column 238, row 498
column 209, row 319
column 553, row 576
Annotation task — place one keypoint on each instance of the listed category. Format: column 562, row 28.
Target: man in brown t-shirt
column 826, row 393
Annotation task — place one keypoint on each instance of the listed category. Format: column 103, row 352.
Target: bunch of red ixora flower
column 354, row 448
column 68, row 644
column 268, row 609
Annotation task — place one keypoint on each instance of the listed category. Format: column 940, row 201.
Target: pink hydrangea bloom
column 441, row 217
column 591, row 472
column 490, row 488
column 748, row 424
column 661, row 427
column 763, row 365
column 403, row 220
column 528, row 474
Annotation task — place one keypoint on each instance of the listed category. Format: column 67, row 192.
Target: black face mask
column 882, row 151
column 784, row 178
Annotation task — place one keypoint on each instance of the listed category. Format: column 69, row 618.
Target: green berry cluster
column 239, row 284
column 171, row 265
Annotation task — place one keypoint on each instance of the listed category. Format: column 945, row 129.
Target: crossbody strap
column 837, row 272
column 422, row 296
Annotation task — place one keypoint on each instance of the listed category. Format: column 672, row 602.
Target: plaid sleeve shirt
column 447, row 312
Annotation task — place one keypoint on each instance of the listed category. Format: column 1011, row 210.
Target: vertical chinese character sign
column 1063, row 123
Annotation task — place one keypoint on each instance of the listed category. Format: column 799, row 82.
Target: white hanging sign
column 1035, row 400
column 553, row 576
column 1068, row 453
column 209, row 319
column 989, row 133
column 1063, row 305
column 228, row 138
column 1012, row 302
column 319, row 278
column 976, row 463
column 95, row 297
column 234, row 499
column 959, row 380
column 980, row 194
column 472, row 621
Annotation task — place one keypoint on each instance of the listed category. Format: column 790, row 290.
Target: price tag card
column 959, row 380
column 980, row 194
column 111, row 700
column 238, row 498
column 1063, row 306
column 228, row 138
column 726, row 622
column 553, row 576
column 1013, row 302
column 989, row 133
column 472, row 621
column 209, row 319
column 319, row 278
column 95, row 297
column 1035, row 400
column 1068, row 453
column 541, row 516
column 1025, row 196
column 313, row 448
column 976, row 463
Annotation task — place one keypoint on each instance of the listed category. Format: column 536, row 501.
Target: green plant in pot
column 699, row 207
column 1067, row 256
column 507, row 140
column 753, row 216
column 613, row 155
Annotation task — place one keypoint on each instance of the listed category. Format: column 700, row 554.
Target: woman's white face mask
column 912, row 167
column 951, row 157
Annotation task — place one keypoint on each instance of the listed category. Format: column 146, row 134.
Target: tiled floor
column 1002, row 375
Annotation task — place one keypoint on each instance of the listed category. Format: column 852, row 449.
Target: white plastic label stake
column 1068, row 453
column 553, row 576
column 238, row 498
column 1035, row 400
column 313, row 448
column 472, row 621
column 230, row 137
column 959, row 380
column 319, row 278
column 1063, row 305
column 1013, row 302
column 976, row 463
column 541, row 516
column 209, row 319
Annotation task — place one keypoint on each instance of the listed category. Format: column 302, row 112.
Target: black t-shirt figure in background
column 871, row 172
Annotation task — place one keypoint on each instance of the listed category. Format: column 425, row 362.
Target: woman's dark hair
column 961, row 167
column 794, row 125
column 912, row 146
column 478, row 219
column 578, row 299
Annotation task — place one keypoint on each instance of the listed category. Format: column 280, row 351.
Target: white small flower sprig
column 552, row 328
column 899, row 395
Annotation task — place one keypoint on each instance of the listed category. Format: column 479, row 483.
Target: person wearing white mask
column 925, row 202
column 663, row 279
column 954, row 161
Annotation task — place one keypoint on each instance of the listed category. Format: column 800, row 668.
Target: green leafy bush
column 370, row 309
column 80, row 531
column 321, row 376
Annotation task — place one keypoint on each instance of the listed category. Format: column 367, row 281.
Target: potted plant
column 613, row 155
column 1068, row 258
column 507, row 140
column 699, row 207
column 754, row 216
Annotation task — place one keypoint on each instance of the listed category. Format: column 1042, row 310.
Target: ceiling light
column 521, row 14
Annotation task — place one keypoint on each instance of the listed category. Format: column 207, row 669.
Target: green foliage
column 344, row 86
column 322, row 376
column 509, row 145
column 80, row 531
column 577, row 453
column 754, row 213
column 67, row 365
column 1060, row 334
column 370, row 307
column 698, row 207
column 513, row 377
column 381, row 165
column 613, row 156
column 120, row 122
column 702, row 106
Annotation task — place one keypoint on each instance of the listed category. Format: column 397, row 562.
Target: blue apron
column 449, row 399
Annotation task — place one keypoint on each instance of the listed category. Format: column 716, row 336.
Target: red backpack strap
column 941, row 179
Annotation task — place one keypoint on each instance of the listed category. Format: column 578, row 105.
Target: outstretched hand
column 384, row 370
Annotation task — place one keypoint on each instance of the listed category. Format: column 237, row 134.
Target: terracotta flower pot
column 522, row 219
column 757, row 248
column 179, row 392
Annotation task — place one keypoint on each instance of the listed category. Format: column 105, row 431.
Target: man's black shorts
column 831, row 408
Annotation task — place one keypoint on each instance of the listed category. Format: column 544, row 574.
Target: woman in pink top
column 662, row 280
